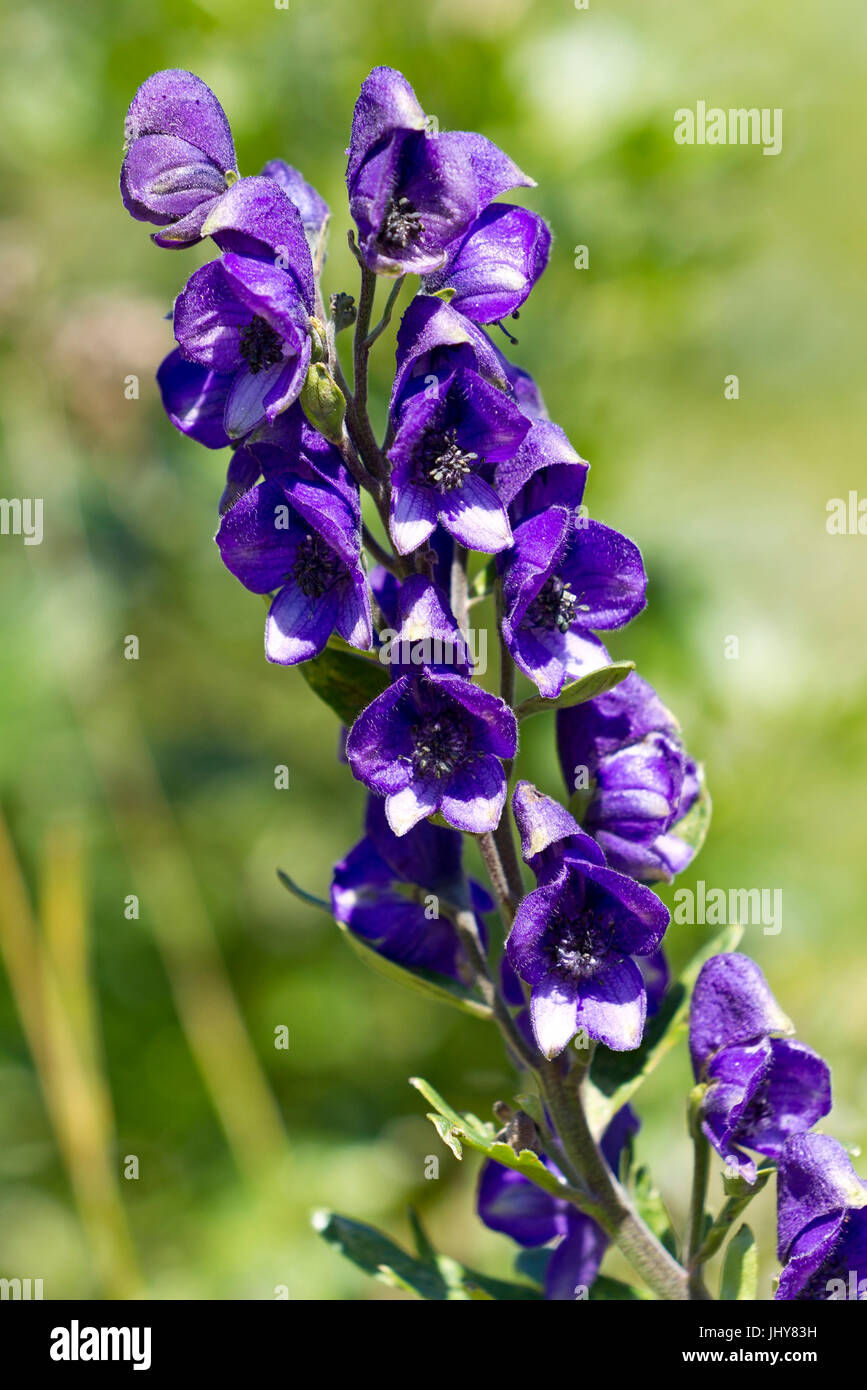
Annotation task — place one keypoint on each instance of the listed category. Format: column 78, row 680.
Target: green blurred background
column 156, row 777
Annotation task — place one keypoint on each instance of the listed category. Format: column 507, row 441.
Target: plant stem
column 695, row 1239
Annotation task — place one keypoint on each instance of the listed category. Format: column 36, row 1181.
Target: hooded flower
column 545, row 472
column 179, row 158
column 245, row 322
column 312, row 208
column 494, row 268
column 302, row 540
column 565, row 577
column 434, row 740
column 434, row 340
column 573, row 936
column 380, row 891
column 624, row 754
column 412, row 191
column 446, row 439
column 510, row 1203
column 761, row 1087
column 821, row 1222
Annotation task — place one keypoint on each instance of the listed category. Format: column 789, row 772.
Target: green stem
column 700, row 1173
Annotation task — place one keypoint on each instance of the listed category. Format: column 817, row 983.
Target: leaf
column 577, row 692
column 433, row 1277
column 345, row 681
column 653, row 1211
column 693, row 827
column 604, row 1289
column 616, row 1076
column 298, row 892
column 427, row 982
column 739, row 1194
column 740, row 1275
column 455, row 1129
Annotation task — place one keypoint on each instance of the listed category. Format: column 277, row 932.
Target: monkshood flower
column 565, row 577
column 413, row 192
column 243, row 319
column 573, row 936
column 179, row 159
column 494, row 268
column 312, row 208
column 821, row 1222
column 302, row 540
column 761, row 1087
column 638, row 780
column 446, row 439
column 545, row 472
column 508, row 1202
column 434, row 740
column 379, row 892
column 434, row 340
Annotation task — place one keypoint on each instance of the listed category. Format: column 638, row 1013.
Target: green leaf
column 298, row 892
column 455, row 1130
column 427, row 982
column 693, row 827
column 587, row 688
column 345, row 681
column 653, row 1211
column 616, row 1076
column 433, row 1277
column 739, row 1194
column 607, row 1290
column 740, row 1275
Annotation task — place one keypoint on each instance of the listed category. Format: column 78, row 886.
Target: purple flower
column 565, row 577
column 371, row 893
column 821, row 1222
column 624, row 751
column 508, row 1202
column 300, row 539
column 494, row 268
column 433, row 741
column 312, row 208
column 446, row 438
column 573, row 937
column 545, row 472
column 412, row 193
column 761, row 1087
column 435, row 340
column 244, row 321
column 179, row 158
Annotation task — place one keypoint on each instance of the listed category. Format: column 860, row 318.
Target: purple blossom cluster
column 346, row 535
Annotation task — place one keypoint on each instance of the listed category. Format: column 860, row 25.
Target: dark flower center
column 441, row 743
column 757, row 1112
column 260, row 345
column 444, row 463
column 401, row 224
column 578, row 947
column 555, row 606
column 316, row 566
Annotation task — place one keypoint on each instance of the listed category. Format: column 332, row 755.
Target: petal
column 258, row 537
column 245, row 403
column 164, row 179
column 497, row 264
column 612, row 1006
column 413, row 517
column 194, row 399
column 606, row 571
column 385, row 103
column 298, row 627
column 415, row 802
column 543, row 822
column 575, row 1263
column 208, row 318
column 731, row 1004
column 554, row 1015
column 379, row 744
column 175, row 102
column 816, row 1182
column 475, row 516
column 474, row 797
column 494, row 171
column 508, row 1202
column 257, row 218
